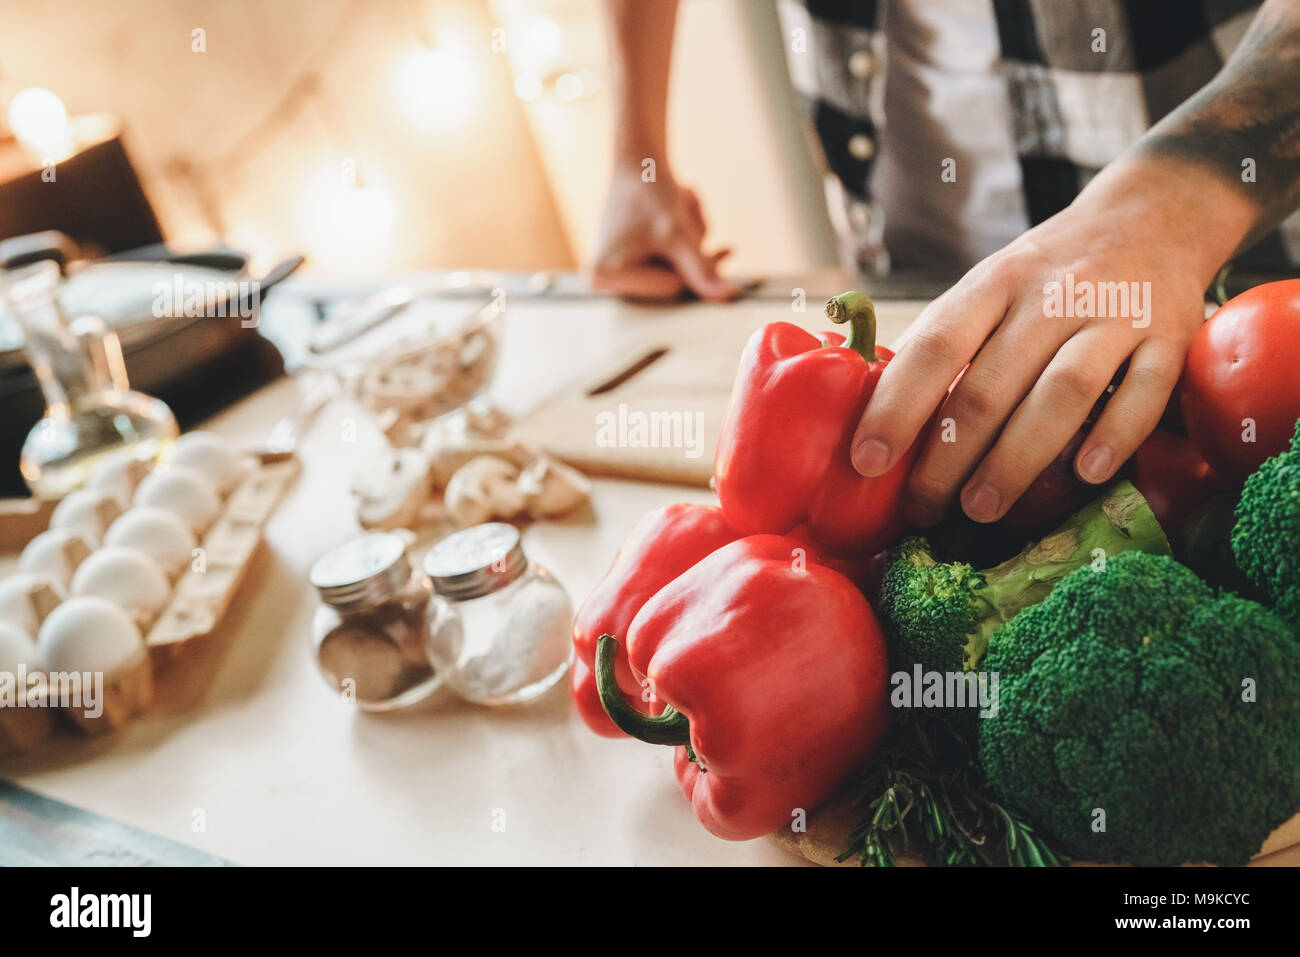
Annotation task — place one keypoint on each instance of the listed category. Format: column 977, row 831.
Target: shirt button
column 861, row 147
column 862, row 64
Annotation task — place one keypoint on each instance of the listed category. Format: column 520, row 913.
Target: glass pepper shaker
column 368, row 633
column 498, row 625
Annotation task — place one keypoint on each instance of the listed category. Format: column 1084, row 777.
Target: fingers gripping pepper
column 783, row 455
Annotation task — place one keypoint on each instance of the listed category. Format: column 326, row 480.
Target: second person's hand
column 651, row 239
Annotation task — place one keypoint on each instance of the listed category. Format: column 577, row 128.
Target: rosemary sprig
column 923, row 793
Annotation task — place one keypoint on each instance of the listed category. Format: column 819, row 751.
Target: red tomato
column 1173, row 478
column 1243, row 368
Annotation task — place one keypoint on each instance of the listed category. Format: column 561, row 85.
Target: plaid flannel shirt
column 1072, row 109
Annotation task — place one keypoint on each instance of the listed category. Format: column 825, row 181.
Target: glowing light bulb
column 569, row 86
column 538, row 44
column 39, row 121
column 363, row 211
column 528, row 87
column 435, row 88
column 345, row 218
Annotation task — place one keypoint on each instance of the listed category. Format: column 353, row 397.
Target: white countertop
column 286, row 773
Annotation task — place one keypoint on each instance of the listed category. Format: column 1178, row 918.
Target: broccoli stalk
column 943, row 614
column 1266, row 538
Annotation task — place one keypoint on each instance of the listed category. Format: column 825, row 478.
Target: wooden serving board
column 830, row 825
column 680, row 362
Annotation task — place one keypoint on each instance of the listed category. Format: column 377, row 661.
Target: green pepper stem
column 857, row 309
column 671, row 727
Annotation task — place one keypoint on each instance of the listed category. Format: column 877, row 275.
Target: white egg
column 160, row 534
column 88, row 511
column 125, row 576
column 88, row 634
column 118, row 475
column 55, row 553
column 212, row 456
column 16, row 605
column 17, row 650
column 181, row 490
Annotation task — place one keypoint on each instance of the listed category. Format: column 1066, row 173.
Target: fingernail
column 1095, row 464
column 871, row 457
column 982, row 502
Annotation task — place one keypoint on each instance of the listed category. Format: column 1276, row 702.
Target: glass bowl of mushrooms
column 408, row 359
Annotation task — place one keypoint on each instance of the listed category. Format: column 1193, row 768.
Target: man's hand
column 650, row 244
column 1045, row 324
column 1161, row 220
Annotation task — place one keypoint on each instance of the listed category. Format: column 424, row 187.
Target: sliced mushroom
column 552, row 488
column 389, row 494
column 450, row 448
column 483, row 489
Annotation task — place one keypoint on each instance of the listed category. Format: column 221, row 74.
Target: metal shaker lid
column 363, row 572
column 476, row 561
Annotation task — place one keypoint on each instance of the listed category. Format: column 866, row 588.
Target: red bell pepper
column 773, row 674
column 662, row 545
column 783, row 455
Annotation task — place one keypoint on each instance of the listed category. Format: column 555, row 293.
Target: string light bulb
column 39, row 121
column 435, row 87
column 528, row 87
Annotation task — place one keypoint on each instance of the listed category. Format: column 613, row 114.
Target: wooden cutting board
column 652, row 407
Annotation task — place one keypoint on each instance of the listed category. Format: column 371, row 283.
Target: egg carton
column 196, row 604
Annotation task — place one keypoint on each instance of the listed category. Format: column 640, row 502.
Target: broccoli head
column 943, row 613
column 1266, row 538
column 1143, row 717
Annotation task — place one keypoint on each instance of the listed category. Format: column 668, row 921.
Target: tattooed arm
column 1244, row 126
column 1161, row 220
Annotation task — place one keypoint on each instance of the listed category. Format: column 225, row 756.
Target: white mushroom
column 450, row 446
column 486, row 420
column 483, row 489
column 552, row 488
column 390, row 493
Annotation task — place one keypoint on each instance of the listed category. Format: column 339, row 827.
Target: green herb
column 924, row 795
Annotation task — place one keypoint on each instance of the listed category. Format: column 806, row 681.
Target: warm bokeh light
column 39, row 121
column 436, row 89
column 536, row 45
column 528, row 87
column 569, row 86
column 348, row 217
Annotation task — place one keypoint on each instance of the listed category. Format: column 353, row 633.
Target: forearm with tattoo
column 1244, row 126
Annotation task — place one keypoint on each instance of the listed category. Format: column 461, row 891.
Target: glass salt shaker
column 498, row 625
column 368, row 633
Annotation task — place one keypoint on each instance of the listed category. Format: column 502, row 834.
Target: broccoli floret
column 1266, row 538
column 942, row 614
column 1136, row 692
